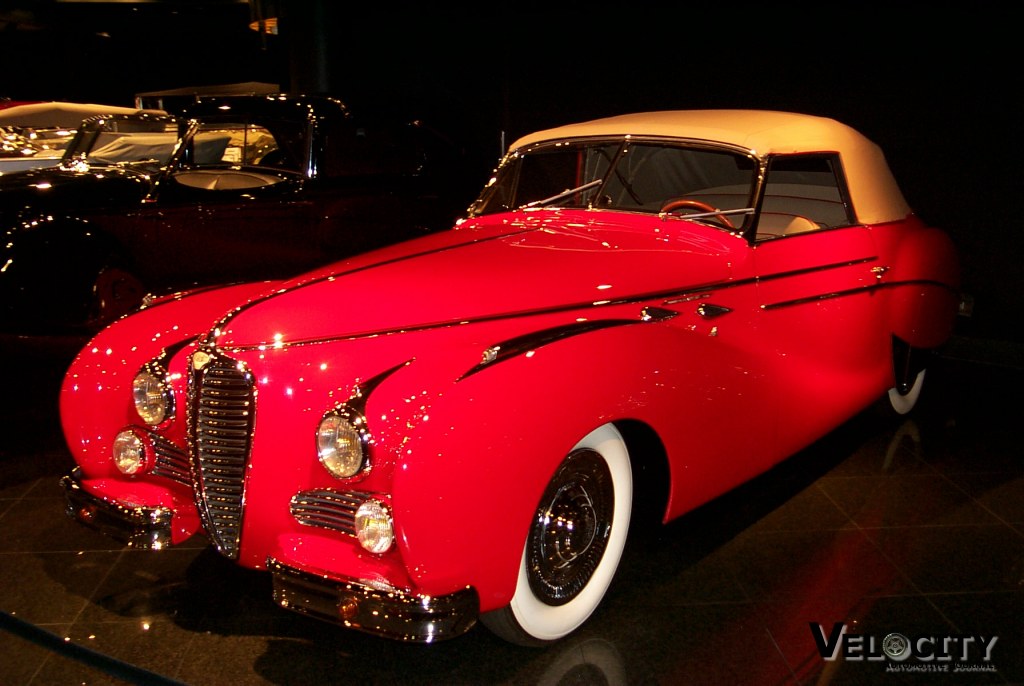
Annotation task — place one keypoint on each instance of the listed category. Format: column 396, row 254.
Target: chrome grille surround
column 221, row 414
column 327, row 509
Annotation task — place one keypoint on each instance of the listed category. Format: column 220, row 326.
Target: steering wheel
column 690, row 204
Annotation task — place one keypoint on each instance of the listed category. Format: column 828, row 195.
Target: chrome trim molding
column 222, row 323
column 531, row 341
column 353, row 411
column 514, row 347
column 667, row 297
column 870, row 288
column 709, row 311
column 158, row 367
column 657, row 314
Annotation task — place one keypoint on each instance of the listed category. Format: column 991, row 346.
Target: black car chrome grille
column 222, row 403
column 332, row 510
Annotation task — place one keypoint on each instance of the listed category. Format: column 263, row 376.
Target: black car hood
column 56, row 190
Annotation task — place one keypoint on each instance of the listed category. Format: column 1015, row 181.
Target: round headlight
column 152, row 399
column 374, row 528
column 129, row 452
column 339, row 446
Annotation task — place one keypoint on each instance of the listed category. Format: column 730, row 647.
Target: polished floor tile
column 911, row 527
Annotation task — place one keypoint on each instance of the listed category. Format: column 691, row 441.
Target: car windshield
column 241, row 141
column 139, row 141
column 19, row 142
column 630, row 176
column 149, row 142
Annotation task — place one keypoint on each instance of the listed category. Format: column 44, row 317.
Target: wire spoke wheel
column 571, row 528
column 573, row 545
column 115, row 293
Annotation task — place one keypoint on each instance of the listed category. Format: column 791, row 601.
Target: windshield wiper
column 564, row 194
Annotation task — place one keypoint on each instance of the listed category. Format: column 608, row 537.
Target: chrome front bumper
column 136, row 527
column 392, row 614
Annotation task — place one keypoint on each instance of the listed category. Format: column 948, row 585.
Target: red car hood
column 486, row 269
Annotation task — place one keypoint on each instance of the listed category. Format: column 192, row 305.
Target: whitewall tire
column 574, row 543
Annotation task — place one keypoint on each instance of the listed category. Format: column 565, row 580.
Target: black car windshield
column 148, row 142
column 630, row 176
column 136, row 140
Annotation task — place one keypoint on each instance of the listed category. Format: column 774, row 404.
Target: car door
column 233, row 206
column 822, row 326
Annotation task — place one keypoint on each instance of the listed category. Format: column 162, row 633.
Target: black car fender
column 52, row 264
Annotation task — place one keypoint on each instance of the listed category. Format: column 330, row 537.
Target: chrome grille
column 332, row 510
column 171, row 460
column 221, row 420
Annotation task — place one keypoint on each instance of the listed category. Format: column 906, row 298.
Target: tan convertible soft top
column 875, row 195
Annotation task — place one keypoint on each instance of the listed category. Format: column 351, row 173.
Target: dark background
column 936, row 86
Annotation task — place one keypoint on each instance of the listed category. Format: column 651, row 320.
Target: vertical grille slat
column 221, row 421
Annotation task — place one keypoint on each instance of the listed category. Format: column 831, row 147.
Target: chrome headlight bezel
column 342, row 443
column 152, row 395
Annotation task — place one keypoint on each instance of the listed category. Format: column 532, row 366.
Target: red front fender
column 96, row 394
column 469, row 476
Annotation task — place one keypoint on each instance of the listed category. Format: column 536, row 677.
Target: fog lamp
column 374, row 527
column 129, row 453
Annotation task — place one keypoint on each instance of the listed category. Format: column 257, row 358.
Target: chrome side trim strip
column 514, row 347
column 854, row 291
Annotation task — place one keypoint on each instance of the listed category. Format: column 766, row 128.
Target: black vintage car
column 236, row 188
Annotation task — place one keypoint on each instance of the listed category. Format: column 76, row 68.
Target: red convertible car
column 458, row 427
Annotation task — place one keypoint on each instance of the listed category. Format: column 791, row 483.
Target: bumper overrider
column 137, row 527
column 391, row 613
